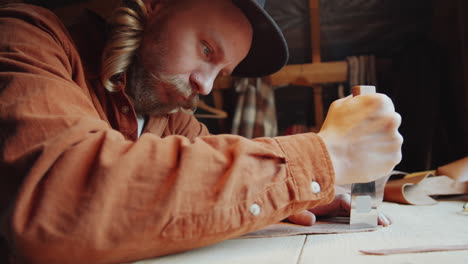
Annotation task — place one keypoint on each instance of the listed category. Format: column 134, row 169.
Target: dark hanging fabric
column 293, row 18
column 4, row 254
column 351, row 27
column 53, row 3
column 419, row 90
column 417, row 79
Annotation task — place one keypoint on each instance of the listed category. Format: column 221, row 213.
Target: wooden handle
column 363, row 89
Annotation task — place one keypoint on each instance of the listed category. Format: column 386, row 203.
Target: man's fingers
column 304, row 218
column 345, row 202
column 384, row 220
column 340, row 206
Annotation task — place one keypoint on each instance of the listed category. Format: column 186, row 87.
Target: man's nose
column 202, row 82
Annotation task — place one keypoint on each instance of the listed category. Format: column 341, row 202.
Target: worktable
column 433, row 225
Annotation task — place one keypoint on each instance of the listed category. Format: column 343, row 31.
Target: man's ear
column 153, row 6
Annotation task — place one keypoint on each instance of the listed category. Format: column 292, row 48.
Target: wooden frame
column 300, row 74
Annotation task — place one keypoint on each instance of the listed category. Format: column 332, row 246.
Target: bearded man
column 102, row 161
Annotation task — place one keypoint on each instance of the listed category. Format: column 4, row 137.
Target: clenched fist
column 361, row 135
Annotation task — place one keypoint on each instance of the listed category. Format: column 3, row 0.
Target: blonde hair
column 126, row 32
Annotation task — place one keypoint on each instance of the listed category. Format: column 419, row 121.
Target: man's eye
column 207, row 50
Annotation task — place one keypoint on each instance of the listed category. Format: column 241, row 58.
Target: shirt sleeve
column 177, row 124
column 75, row 190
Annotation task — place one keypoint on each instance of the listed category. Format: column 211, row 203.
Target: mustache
column 182, row 88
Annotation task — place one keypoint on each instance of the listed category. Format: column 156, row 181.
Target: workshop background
column 421, row 50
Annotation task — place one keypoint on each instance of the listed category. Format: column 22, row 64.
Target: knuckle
column 397, row 142
column 400, row 139
column 381, row 97
column 397, row 118
column 392, row 121
column 382, row 101
column 385, row 99
column 370, row 100
column 334, row 104
column 398, row 157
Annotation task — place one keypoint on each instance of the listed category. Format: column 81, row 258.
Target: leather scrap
column 414, row 250
column 288, row 229
column 419, row 189
column 457, row 170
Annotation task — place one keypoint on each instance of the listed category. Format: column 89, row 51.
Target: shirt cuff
column 310, row 167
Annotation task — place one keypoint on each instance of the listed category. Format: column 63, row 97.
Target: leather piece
column 419, row 189
column 392, row 251
column 287, row 229
column 457, row 170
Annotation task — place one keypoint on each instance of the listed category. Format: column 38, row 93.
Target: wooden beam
column 310, row 74
column 315, row 30
column 300, row 74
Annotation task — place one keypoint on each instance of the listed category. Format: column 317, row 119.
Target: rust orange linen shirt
column 78, row 186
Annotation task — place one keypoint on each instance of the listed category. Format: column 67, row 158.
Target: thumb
column 304, row 218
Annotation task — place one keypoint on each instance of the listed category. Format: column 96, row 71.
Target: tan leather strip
column 392, row 251
column 417, row 190
column 457, row 170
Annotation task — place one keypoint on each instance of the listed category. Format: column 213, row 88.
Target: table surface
column 413, row 226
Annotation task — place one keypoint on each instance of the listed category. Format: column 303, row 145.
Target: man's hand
column 341, row 206
column 362, row 138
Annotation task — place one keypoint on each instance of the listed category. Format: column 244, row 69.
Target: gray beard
column 142, row 87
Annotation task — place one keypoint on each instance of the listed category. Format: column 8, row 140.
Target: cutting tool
column 366, row 197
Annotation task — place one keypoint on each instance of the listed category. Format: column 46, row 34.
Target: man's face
column 184, row 47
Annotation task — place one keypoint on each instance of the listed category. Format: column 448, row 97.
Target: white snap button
column 315, row 187
column 255, row 209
